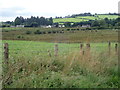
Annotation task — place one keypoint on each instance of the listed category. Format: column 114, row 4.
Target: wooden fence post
column 88, row 47
column 83, row 52
column 87, row 52
column 81, row 49
column 6, row 51
column 49, row 53
column 116, row 48
column 109, row 47
column 56, row 49
column 81, row 46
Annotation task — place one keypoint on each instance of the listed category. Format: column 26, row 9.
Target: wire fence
column 55, row 49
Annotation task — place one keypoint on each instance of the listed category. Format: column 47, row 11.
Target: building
column 19, row 25
column 86, row 26
column 61, row 25
column 12, row 26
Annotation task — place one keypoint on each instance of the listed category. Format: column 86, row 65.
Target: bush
column 43, row 32
column 49, row 32
column 28, row 32
column 37, row 32
column 53, row 31
column 68, row 29
column 19, row 36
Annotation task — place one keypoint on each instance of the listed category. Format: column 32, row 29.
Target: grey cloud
column 14, row 11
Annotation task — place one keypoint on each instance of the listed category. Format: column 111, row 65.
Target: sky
column 10, row 9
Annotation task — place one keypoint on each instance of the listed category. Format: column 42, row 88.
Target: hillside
column 83, row 18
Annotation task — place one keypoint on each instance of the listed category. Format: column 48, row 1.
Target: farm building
column 60, row 26
column 12, row 26
column 19, row 25
column 49, row 26
column 44, row 26
column 86, row 26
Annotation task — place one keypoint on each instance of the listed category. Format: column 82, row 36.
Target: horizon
column 59, row 16
column 51, row 8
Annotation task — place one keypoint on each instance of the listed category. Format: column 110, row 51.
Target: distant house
column 12, row 26
column 19, row 25
column 49, row 26
column 86, row 26
column 61, row 25
column 44, row 26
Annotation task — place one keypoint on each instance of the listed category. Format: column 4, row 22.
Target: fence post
column 88, row 47
column 116, row 48
column 88, row 50
column 109, row 47
column 49, row 53
column 83, row 52
column 6, row 51
column 81, row 46
column 81, row 49
column 56, row 49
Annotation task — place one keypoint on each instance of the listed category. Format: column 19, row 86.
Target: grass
column 84, row 18
column 30, row 66
column 60, row 20
column 107, row 16
column 72, row 36
column 32, row 63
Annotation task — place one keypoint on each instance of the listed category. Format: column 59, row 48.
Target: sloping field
column 84, row 18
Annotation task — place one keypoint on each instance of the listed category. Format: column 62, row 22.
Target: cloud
column 13, row 11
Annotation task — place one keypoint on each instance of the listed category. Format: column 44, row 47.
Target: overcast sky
column 9, row 9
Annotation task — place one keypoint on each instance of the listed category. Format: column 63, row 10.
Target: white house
column 12, row 26
column 60, row 25
column 49, row 26
column 86, row 26
column 19, row 25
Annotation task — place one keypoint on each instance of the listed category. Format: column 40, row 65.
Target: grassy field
column 73, row 35
column 84, row 18
column 33, row 64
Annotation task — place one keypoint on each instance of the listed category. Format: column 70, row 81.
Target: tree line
column 29, row 22
column 33, row 21
column 39, row 21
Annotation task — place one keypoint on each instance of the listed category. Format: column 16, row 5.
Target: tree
column 34, row 24
column 18, row 21
column 95, row 24
column 103, row 24
column 50, row 21
column 67, row 24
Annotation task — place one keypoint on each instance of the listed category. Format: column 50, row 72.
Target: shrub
column 68, row 29
column 43, row 32
column 37, row 32
column 19, row 36
column 28, row 32
column 49, row 32
column 53, row 31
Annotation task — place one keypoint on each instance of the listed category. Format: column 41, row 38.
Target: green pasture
column 60, row 20
column 32, row 62
column 35, row 47
column 107, row 16
column 84, row 18
column 31, row 66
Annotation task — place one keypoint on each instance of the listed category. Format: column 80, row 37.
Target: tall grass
column 69, row 69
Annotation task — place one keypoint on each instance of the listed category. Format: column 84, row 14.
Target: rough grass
column 30, row 66
column 68, row 36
